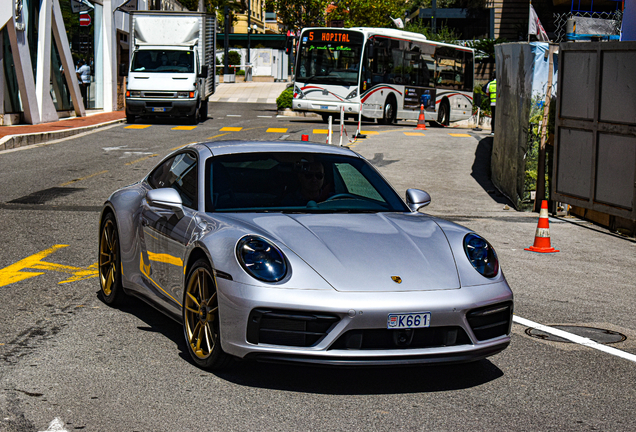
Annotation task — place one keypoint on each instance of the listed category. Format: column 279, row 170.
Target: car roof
column 242, row 146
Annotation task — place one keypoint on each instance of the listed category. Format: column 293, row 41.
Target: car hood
column 366, row 252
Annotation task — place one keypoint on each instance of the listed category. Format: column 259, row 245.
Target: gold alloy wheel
column 108, row 257
column 201, row 313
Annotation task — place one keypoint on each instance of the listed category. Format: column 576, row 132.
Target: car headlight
column 261, row 259
column 481, row 255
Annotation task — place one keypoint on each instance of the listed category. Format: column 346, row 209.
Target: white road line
column 574, row 338
column 232, row 115
column 264, row 116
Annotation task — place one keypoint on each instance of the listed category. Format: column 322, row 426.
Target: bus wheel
column 390, row 110
column 443, row 115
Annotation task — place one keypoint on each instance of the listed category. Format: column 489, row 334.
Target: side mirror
column 204, row 72
column 416, row 199
column 166, row 198
column 370, row 50
column 123, row 69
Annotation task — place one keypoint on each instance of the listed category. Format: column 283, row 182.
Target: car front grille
column 491, row 321
column 386, row 339
column 288, row 328
column 150, row 94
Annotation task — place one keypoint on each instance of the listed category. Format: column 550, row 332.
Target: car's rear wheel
column 110, row 262
column 201, row 325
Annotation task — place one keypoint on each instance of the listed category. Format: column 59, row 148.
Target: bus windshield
column 329, row 57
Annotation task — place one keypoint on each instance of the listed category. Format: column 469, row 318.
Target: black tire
column 325, row 117
column 109, row 262
column 201, row 326
column 204, row 110
column 130, row 118
column 443, row 115
column 194, row 118
column 389, row 112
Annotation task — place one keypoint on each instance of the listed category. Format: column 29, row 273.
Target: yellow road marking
column 14, row 272
column 321, row 131
column 142, row 159
column 216, row 136
column 184, row 128
column 230, row 129
column 459, row 135
column 165, row 258
column 414, row 134
column 373, row 132
column 276, row 130
column 83, row 178
column 137, row 127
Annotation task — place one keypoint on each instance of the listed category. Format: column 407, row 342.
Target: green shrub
column 240, row 72
column 284, row 100
column 479, row 94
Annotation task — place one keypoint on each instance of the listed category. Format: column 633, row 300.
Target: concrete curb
column 14, row 141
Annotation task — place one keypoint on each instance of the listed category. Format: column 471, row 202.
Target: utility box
column 595, row 136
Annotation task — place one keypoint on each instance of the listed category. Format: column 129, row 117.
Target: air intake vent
column 288, row 328
column 159, row 94
column 491, row 321
column 384, row 339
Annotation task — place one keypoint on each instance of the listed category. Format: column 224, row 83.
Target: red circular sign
column 85, row 19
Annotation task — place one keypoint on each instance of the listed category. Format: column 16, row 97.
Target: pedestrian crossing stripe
column 184, row 128
column 321, row 131
column 230, row 129
column 137, row 127
column 414, row 134
column 276, row 130
column 459, row 135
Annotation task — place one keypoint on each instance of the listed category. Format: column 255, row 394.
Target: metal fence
column 561, row 19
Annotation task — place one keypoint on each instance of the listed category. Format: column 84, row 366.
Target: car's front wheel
column 201, row 324
column 110, row 262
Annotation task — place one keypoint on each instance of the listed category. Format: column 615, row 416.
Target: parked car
column 300, row 252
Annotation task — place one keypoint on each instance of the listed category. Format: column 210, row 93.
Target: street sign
column 79, row 6
column 84, row 20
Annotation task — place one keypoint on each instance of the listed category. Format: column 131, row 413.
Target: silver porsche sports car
column 292, row 251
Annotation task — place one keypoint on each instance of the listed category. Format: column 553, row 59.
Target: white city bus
column 390, row 73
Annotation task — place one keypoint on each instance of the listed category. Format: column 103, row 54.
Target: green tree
column 366, row 13
column 298, row 14
column 443, row 33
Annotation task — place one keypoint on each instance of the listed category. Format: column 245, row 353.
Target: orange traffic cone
column 421, row 124
column 542, row 236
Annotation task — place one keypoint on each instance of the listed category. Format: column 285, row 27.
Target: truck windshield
column 329, row 57
column 163, row 61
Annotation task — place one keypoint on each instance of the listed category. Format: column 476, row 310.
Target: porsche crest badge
column 396, row 279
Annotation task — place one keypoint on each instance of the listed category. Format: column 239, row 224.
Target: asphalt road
column 66, row 355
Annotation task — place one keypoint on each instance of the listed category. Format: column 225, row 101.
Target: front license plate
column 409, row 320
column 325, row 107
column 158, row 109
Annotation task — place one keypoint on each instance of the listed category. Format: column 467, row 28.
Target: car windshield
column 329, row 57
column 163, row 61
column 297, row 183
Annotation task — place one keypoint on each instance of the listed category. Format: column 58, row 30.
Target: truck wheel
column 130, row 118
column 204, row 110
column 194, row 118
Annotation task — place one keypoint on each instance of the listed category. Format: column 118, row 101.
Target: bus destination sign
column 337, row 36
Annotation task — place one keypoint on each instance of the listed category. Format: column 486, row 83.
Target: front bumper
column 161, row 107
column 324, row 107
column 366, row 313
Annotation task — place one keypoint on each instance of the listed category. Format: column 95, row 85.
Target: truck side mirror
column 123, row 69
column 204, row 72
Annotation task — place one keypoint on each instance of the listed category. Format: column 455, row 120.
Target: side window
column 180, row 173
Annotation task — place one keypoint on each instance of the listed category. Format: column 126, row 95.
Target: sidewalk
column 23, row 135
column 251, row 92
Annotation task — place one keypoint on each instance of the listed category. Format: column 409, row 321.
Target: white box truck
column 171, row 66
